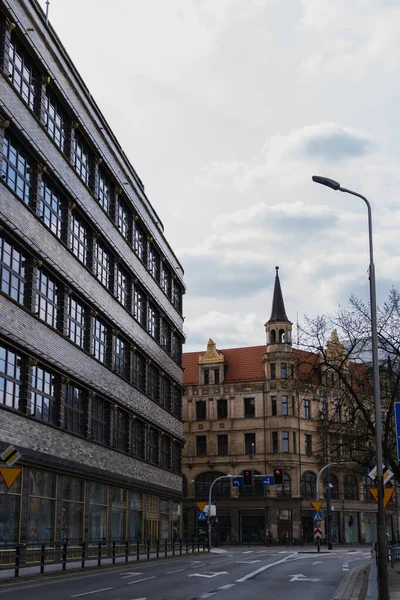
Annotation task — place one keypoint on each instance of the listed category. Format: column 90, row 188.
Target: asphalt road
column 239, row 574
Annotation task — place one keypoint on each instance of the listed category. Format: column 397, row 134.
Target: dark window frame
column 76, row 321
column 46, row 298
column 55, row 119
column 44, row 392
column 16, row 170
column 22, row 72
column 249, row 408
column 12, row 270
column 10, row 377
column 75, row 409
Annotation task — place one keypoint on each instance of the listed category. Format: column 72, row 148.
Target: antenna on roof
column 297, row 329
column 47, row 11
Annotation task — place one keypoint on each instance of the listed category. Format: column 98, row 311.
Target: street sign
column 9, row 475
column 387, row 495
column 213, row 510
column 268, row 480
column 387, row 474
column 237, row 481
column 397, row 421
column 317, row 516
column 10, row 456
column 201, row 516
column 316, row 505
column 201, row 505
column 317, row 533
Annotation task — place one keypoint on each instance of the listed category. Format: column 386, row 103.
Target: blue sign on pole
column 317, row 516
column 201, row 516
column 397, row 420
column 237, row 481
column 268, row 480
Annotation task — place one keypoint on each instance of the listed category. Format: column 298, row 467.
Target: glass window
column 165, row 393
column 164, row 519
column 307, row 413
column 76, row 322
column 177, row 296
column 21, row 73
column 249, row 408
column 153, row 321
column 118, row 513
column 176, row 347
column 283, row 370
column 201, row 445
column 273, row 406
column 121, row 357
column 201, row 410
column 79, row 239
column 337, row 416
column 99, row 340
column 122, row 217
column 222, row 445
column 152, row 446
column 102, row 263
column 153, row 382
column 121, row 285
column 274, row 442
column 12, row 270
column 72, row 509
column 284, row 405
column 153, row 261
column 176, row 457
column 285, row 441
column 41, row 511
column 50, row 203
column 250, row 443
column 97, row 512
column 165, row 451
column 103, row 191
column 165, row 337
column 43, row 399
column 308, row 444
column 46, row 298
column 216, row 376
column 81, row 158
column 166, row 279
column 137, row 438
column 350, row 487
column 308, row 485
column 273, row 371
column 138, row 371
column 16, row 170
column 54, row 119
column 10, row 378
column 75, row 409
column 138, row 239
column 100, row 425
column 120, row 430
column 294, row 442
column 284, row 491
column 10, row 512
column 139, row 305
column 135, row 515
column 222, row 408
column 176, row 407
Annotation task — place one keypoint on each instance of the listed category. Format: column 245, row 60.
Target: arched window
column 273, row 336
column 350, row 488
column 332, row 481
column 308, row 485
column 284, row 491
column 367, row 482
column 202, row 486
column 282, row 336
column 257, row 489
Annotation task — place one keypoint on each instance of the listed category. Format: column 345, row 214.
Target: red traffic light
column 247, row 477
column 278, row 476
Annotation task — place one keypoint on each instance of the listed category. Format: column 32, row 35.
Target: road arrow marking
column 208, row 576
column 300, row 577
column 247, row 562
column 264, row 568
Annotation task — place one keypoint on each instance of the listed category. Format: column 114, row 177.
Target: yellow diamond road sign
column 10, row 456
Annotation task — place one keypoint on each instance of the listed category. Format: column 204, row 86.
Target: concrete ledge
column 372, row 590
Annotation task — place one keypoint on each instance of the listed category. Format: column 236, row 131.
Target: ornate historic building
column 266, row 407
column 90, row 312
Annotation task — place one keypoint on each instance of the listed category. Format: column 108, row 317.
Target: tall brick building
column 90, row 311
column 265, row 407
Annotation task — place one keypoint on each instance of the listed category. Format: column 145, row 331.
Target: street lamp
column 381, row 533
column 209, row 506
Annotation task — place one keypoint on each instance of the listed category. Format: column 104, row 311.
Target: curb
column 372, row 590
column 347, row 589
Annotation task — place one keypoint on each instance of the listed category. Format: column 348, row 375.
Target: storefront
column 252, row 526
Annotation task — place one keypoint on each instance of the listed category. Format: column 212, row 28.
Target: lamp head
column 334, row 185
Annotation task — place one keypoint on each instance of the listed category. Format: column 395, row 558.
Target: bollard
column 99, row 556
column 126, row 551
column 173, row 547
column 198, row 544
column 83, row 555
column 187, row 546
column 42, row 556
column 180, row 546
column 193, row 546
column 137, row 550
column 113, row 553
column 17, row 558
column 165, row 547
column 148, row 549
column 64, row 556
column 157, row 548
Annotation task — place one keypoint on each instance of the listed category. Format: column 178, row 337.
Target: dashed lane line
column 176, row 571
column 92, row 592
column 139, row 580
column 227, row 586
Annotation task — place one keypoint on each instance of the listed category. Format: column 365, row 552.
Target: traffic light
column 351, row 521
column 278, row 476
column 247, row 477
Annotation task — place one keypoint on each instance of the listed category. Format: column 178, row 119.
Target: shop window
column 135, row 515
column 21, row 73
column 55, row 119
column 121, row 285
column 98, row 494
column 41, row 508
column 75, row 409
column 138, row 371
column 46, row 298
column 137, row 438
column 201, row 410
column 164, row 519
column 76, row 322
column 176, row 519
column 152, row 446
column 120, row 429
column 72, row 509
column 153, row 383
column 139, row 305
column 121, row 357
column 100, row 424
column 81, row 158
column 10, row 378
column 43, row 398
column 165, row 393
column 99, row 340
column 222, row 445
column 201, row 445
column 249, row 443
column 16, row 170
column 103, row 191
column 12, row 270
column 222, row 408
column 118, row 513
column 10, row 512
column 308, row 485
column 49, row 205
column 79, row 239
column 176, row 457
column 249, row 408
column 165, row 451
column 102, row 264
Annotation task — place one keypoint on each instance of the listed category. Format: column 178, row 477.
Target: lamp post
column 381, row 533
column 209, row 506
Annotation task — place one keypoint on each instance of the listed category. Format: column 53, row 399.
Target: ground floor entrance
column 252, row 526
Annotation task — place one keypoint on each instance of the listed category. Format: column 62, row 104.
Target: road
column 236, row 574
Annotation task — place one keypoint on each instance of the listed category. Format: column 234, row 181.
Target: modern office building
column 90, row 312
column 271, row 407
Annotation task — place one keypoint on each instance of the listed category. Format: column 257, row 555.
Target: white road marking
column 248, row 562
column 261, row 569
column 126, row 575
column 319, row 562
column 93, row 592
column 176, row 571
column 208, row 594
column 227, row 586
column 139, row 580
column 300, row 577
column 208, row 576
column 248, row 552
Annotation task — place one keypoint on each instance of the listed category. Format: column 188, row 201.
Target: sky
column 226, row 108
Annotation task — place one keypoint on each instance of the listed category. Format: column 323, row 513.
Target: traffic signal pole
column 209, row 506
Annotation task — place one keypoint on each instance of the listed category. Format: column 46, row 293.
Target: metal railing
column 94, row 552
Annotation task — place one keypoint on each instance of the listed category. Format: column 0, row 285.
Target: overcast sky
column 226, row 108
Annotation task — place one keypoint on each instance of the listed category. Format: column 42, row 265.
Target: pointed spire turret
column 278, row 312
